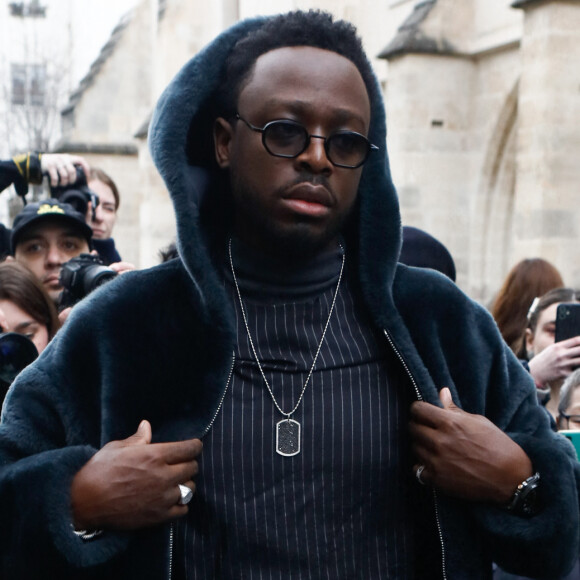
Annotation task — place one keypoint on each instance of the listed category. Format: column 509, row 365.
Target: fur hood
column 181, row 115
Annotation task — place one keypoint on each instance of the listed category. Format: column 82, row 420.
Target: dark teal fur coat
column 157, row 344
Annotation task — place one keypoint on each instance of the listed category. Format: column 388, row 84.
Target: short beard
column 293, row 243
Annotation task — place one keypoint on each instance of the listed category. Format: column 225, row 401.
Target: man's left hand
column 465, row 455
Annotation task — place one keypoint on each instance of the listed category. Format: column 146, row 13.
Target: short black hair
column 313, row 28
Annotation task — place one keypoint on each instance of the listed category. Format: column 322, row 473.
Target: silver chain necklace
column 288, row 429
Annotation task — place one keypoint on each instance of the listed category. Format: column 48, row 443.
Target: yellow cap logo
column 47, row 208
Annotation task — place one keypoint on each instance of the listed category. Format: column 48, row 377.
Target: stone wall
column 547, row 200
column 482, row 113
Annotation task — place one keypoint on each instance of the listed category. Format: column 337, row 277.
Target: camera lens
column 16, row 353
column 95, row 276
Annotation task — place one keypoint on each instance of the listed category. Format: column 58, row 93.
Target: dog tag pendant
column 288, row 437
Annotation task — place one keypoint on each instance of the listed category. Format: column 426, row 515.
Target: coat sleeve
column 48, row 430
column 459, row 345
column 547, row 544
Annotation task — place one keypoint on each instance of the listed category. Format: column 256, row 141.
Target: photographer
column 550, row 362
column 45, row 236
column 103, row 217
column 30, row 168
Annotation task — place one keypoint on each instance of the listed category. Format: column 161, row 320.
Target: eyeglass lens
column 288, row 139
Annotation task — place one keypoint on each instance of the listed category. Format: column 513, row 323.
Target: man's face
column 106, row 212
column 297, row 204
column 45, row 247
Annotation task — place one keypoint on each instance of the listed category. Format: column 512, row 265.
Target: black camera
column 16, row 352
column 80, row 276
column 77, row 194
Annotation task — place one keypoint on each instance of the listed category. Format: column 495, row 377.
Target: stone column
column 547, row 200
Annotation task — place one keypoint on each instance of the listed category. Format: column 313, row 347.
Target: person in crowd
column 568, row 419
column 528, row 279
column 103, row 218
column 360, row 418
column 47, row 234
column 425, row 251
column 25, row 308
column 31, row 168
column 569, row 405
column 549, row 362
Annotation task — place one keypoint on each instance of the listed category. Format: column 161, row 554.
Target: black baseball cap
column 53, row 210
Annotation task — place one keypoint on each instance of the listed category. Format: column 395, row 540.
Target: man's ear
column 222, row 138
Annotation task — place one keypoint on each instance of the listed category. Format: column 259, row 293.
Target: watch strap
column 525, row 501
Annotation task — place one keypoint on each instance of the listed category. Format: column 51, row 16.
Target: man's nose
column 54, row 256
column 314, row 156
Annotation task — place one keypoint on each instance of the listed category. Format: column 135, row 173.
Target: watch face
column 530, row 503
column 526, row 500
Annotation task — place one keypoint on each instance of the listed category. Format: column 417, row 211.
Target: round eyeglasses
column 285, row 138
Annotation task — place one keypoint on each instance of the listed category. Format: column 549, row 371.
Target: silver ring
column 418, row 473
column 186, row 494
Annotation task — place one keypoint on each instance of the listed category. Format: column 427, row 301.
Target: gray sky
column 95, row 21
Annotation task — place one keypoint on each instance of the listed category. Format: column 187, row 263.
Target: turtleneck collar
column 262, row 277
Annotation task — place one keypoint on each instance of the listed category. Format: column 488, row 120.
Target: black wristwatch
column 526, row 501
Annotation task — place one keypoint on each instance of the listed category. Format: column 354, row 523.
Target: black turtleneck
column 340, row 508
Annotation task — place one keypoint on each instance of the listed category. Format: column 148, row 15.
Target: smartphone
column 567, row 321
column 573, row 436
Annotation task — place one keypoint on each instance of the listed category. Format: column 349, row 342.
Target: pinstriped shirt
column 341, row 507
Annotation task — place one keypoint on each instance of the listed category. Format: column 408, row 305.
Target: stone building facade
column 483, row 110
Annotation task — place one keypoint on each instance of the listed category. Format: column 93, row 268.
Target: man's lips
column 52, row 281
column 309, row 199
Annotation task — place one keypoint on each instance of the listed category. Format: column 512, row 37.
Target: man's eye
column 284, row 131
column 32, row 248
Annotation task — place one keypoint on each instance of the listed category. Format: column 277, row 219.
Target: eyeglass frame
column 309, row 136
column 568, row 417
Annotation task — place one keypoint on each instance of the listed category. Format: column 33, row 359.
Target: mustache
column 307, row 177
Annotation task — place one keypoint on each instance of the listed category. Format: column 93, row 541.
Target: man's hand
column 61, row 167
column 133, row 483
column 465, row 455
column 556, row 361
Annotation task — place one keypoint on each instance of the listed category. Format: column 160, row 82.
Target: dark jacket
column 157, row 344
column 107, row 250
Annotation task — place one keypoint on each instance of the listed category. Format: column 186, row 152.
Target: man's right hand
column 133, row 483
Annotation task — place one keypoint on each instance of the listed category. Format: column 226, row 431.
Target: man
column 324, row 379
column 31, row 168
column 47, row 234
